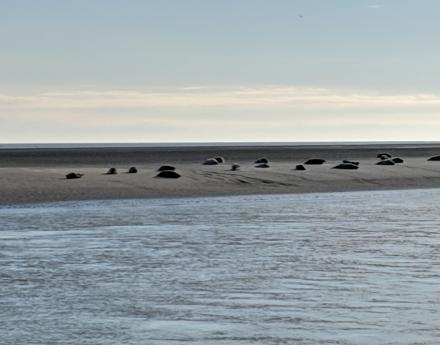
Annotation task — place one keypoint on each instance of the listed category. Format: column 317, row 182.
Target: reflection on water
column 342, row 268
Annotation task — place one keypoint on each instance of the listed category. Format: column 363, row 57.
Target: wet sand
column 37, row 175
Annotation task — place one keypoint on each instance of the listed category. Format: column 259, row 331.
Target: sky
column 214, row 71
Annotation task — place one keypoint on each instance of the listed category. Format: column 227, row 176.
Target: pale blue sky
column 306, row 59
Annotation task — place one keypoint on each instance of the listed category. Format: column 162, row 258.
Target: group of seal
column 169, row 171
column 111, row 171
column 388, row 159
column 220, row 160
column 114, row 171
column 262, row 163
column 347, row 165
column 166, row 171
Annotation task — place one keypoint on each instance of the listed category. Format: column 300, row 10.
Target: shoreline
column 37, row 175
column 157, row 198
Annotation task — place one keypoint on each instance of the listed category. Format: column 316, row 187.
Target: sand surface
column 37, row 175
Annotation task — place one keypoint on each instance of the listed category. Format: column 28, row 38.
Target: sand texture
column 38, row 175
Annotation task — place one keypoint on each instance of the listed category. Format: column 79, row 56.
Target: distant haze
column 210, row 71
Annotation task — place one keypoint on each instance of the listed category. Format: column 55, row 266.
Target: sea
column 24, row 146
column 329, row 268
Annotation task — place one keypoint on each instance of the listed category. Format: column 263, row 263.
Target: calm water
column 343, row 268
column 215, row 144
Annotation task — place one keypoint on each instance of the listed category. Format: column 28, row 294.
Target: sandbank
column 37, row 175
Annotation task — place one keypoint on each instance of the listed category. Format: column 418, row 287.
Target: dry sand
column 37, row 175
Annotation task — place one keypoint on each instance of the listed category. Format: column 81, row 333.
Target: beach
column 38, row 174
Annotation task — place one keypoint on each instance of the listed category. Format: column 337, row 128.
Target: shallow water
column 212, row 144
column 337, row 268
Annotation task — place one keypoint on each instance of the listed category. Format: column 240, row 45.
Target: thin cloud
column 280, row 113
column 265, row 97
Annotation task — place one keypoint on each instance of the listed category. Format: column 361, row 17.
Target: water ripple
column 340, row 268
